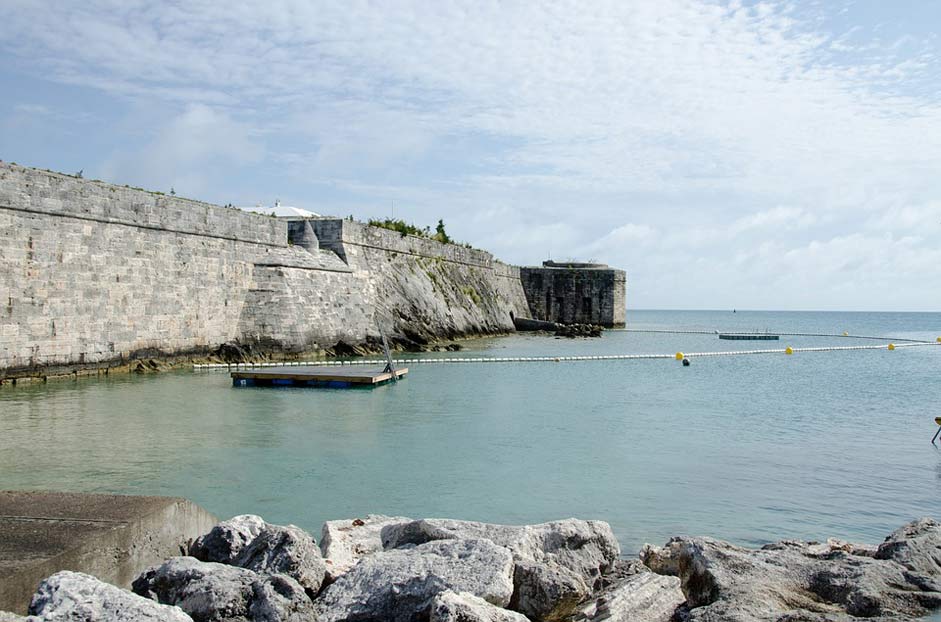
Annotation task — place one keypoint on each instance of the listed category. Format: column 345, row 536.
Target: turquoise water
column 749, row 448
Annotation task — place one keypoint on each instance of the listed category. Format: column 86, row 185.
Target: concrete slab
column 113, row 537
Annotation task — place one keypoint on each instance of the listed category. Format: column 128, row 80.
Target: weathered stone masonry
column 94, row 275
column 576, row 293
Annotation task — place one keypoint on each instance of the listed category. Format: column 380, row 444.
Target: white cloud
column 187, row 152
column 730, row 145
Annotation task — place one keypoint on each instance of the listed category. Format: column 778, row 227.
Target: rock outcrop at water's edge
column 436, row 570
column 792, row 580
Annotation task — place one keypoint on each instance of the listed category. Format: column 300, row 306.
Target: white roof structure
column 281, row 211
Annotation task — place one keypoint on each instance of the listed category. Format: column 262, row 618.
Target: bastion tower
column 576, row 293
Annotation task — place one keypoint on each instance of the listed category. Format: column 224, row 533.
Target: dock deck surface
column 309, row 375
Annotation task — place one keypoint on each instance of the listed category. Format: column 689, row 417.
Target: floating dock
column 319, row 376
column 748, row 336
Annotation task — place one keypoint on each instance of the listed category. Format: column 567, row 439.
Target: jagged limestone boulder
column 247, row 541
column 212, row 592
column 803, row 581
column 546, row 591
column 633, row 594
column 557, row 564
column 285, row 550
column 227, row 539
column 453, row 607
column 400, row 585
column 344, row 542
column 74, row 597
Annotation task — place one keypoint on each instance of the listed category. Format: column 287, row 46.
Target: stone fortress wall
column 95, row 276
column 576, row 293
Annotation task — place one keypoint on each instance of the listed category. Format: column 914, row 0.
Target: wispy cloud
column 712, row 135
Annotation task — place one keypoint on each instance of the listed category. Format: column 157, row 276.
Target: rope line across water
column 556, row 359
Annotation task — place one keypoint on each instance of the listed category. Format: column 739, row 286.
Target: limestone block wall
column 93, row 275
column 302, row 301
column 584, row 294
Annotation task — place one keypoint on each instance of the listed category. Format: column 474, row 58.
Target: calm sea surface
column 748, row 448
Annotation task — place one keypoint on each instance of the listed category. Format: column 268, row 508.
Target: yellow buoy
column 846, row 334
column 939, row 339
column 891, row 346
column 937, row 420
column 679, row 356
column 789, row 350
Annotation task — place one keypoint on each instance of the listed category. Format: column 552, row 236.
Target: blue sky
column 778, row 155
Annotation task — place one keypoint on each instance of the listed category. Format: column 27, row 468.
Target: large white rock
column 640, row 597
column 247, row 541
column 399, row 585
column 453, row 607
column 76, row 597
column 227, row 539
column 211, row 592
column 285, row 550
column 557, row 564
column 803, row 581
column 345, row 542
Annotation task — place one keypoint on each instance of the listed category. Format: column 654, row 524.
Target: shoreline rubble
column 440, row 570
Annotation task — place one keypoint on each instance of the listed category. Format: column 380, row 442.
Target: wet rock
column 453, row 607
column 400, row 585
column 637, row 595
column 247, row 541
column 573, row 331
column 235, row 352
column 285, row 550
column 557, row 564
column 803, row 581
column 917, row 546
column 345, row 542
column 212, row 592
column 73, row 596
column 225, row 541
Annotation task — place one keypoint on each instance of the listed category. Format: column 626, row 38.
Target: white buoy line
column 561, row 359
